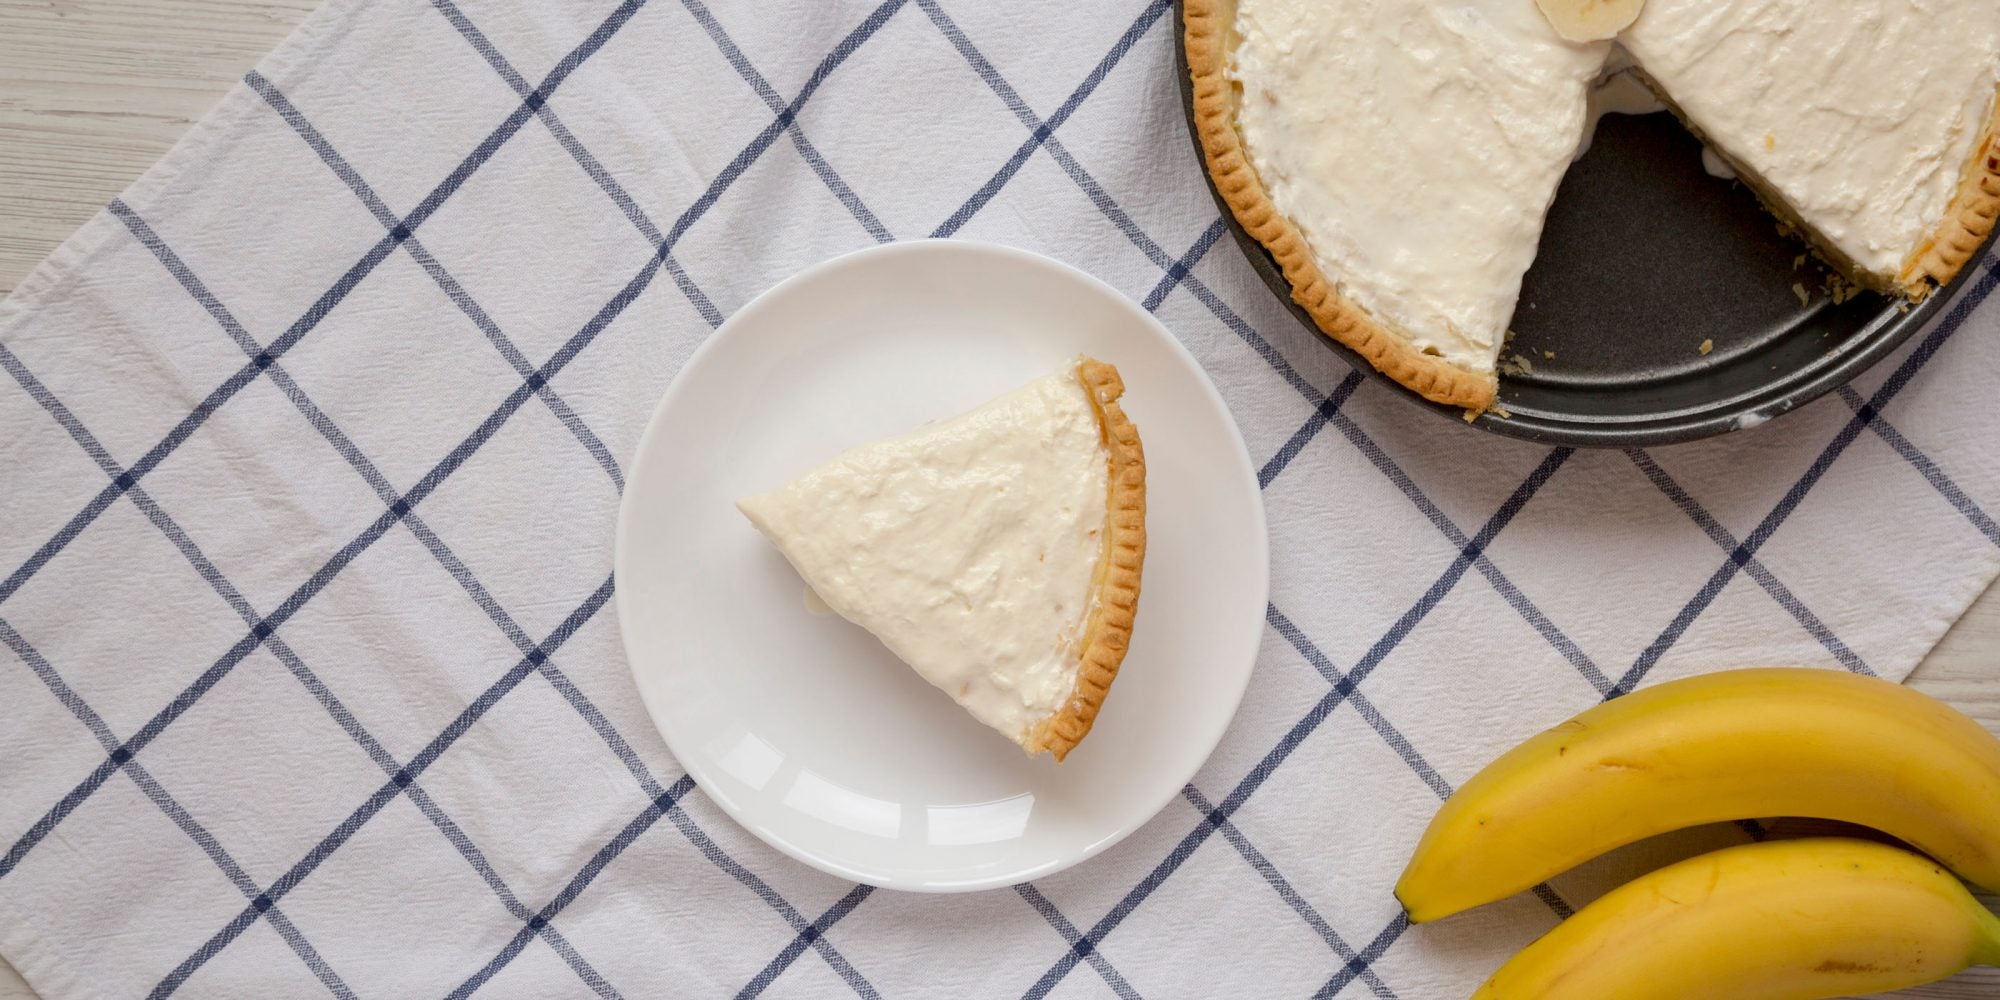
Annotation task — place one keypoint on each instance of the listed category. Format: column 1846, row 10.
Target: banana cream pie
column 1397, row 157
column 998, row 553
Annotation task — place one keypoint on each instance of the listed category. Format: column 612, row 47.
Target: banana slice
column 1590, row 20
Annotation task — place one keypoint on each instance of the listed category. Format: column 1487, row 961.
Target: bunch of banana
column 1801, row 919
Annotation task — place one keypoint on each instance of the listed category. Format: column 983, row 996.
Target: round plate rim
column 695, row 765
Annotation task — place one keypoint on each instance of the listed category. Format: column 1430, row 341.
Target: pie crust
column 1115, row 586
column 1967, row 222
column 1208, row 25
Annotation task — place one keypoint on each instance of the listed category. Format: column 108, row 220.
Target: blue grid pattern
column 537, row 657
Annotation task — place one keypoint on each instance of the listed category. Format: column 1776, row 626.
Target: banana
column 1740, row 744
column 1590, row 20
column 1785, row 920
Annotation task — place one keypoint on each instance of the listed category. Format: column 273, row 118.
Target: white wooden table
column 93, row 91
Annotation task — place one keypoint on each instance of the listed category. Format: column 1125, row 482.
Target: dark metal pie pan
column 1645, row 258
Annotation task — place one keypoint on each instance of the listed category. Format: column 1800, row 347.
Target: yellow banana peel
column 1784, row 920
column 1739, row 744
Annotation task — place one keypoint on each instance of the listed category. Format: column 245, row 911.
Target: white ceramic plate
column 803, row 727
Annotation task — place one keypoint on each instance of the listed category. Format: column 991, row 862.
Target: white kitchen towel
column 311, row 445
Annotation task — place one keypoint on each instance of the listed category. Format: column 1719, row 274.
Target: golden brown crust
column 1115, row 588
column 1966, row 223
column 1206, row 27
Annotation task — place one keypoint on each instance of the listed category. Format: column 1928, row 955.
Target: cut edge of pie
column 1115, row 583
column 1207, row 25
column 1967, row 220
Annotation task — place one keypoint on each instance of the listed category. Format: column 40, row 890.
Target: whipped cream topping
column 1416, row 144
column 1861, row 115
column 968, row 547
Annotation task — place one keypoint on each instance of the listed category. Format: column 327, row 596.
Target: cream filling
column 969, row 547
column 1617, row 92
column 1860, row 115
column 1416, row 144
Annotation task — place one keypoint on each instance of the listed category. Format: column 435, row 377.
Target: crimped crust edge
column 1968, row 220
column 1205, row 34
column 1115, row 587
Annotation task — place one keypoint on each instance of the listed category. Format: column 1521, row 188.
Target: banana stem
column 1989, row 937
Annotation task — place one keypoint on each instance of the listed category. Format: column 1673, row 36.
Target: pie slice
column 997, row 553
column 1870, row 126
column 1397, row 157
